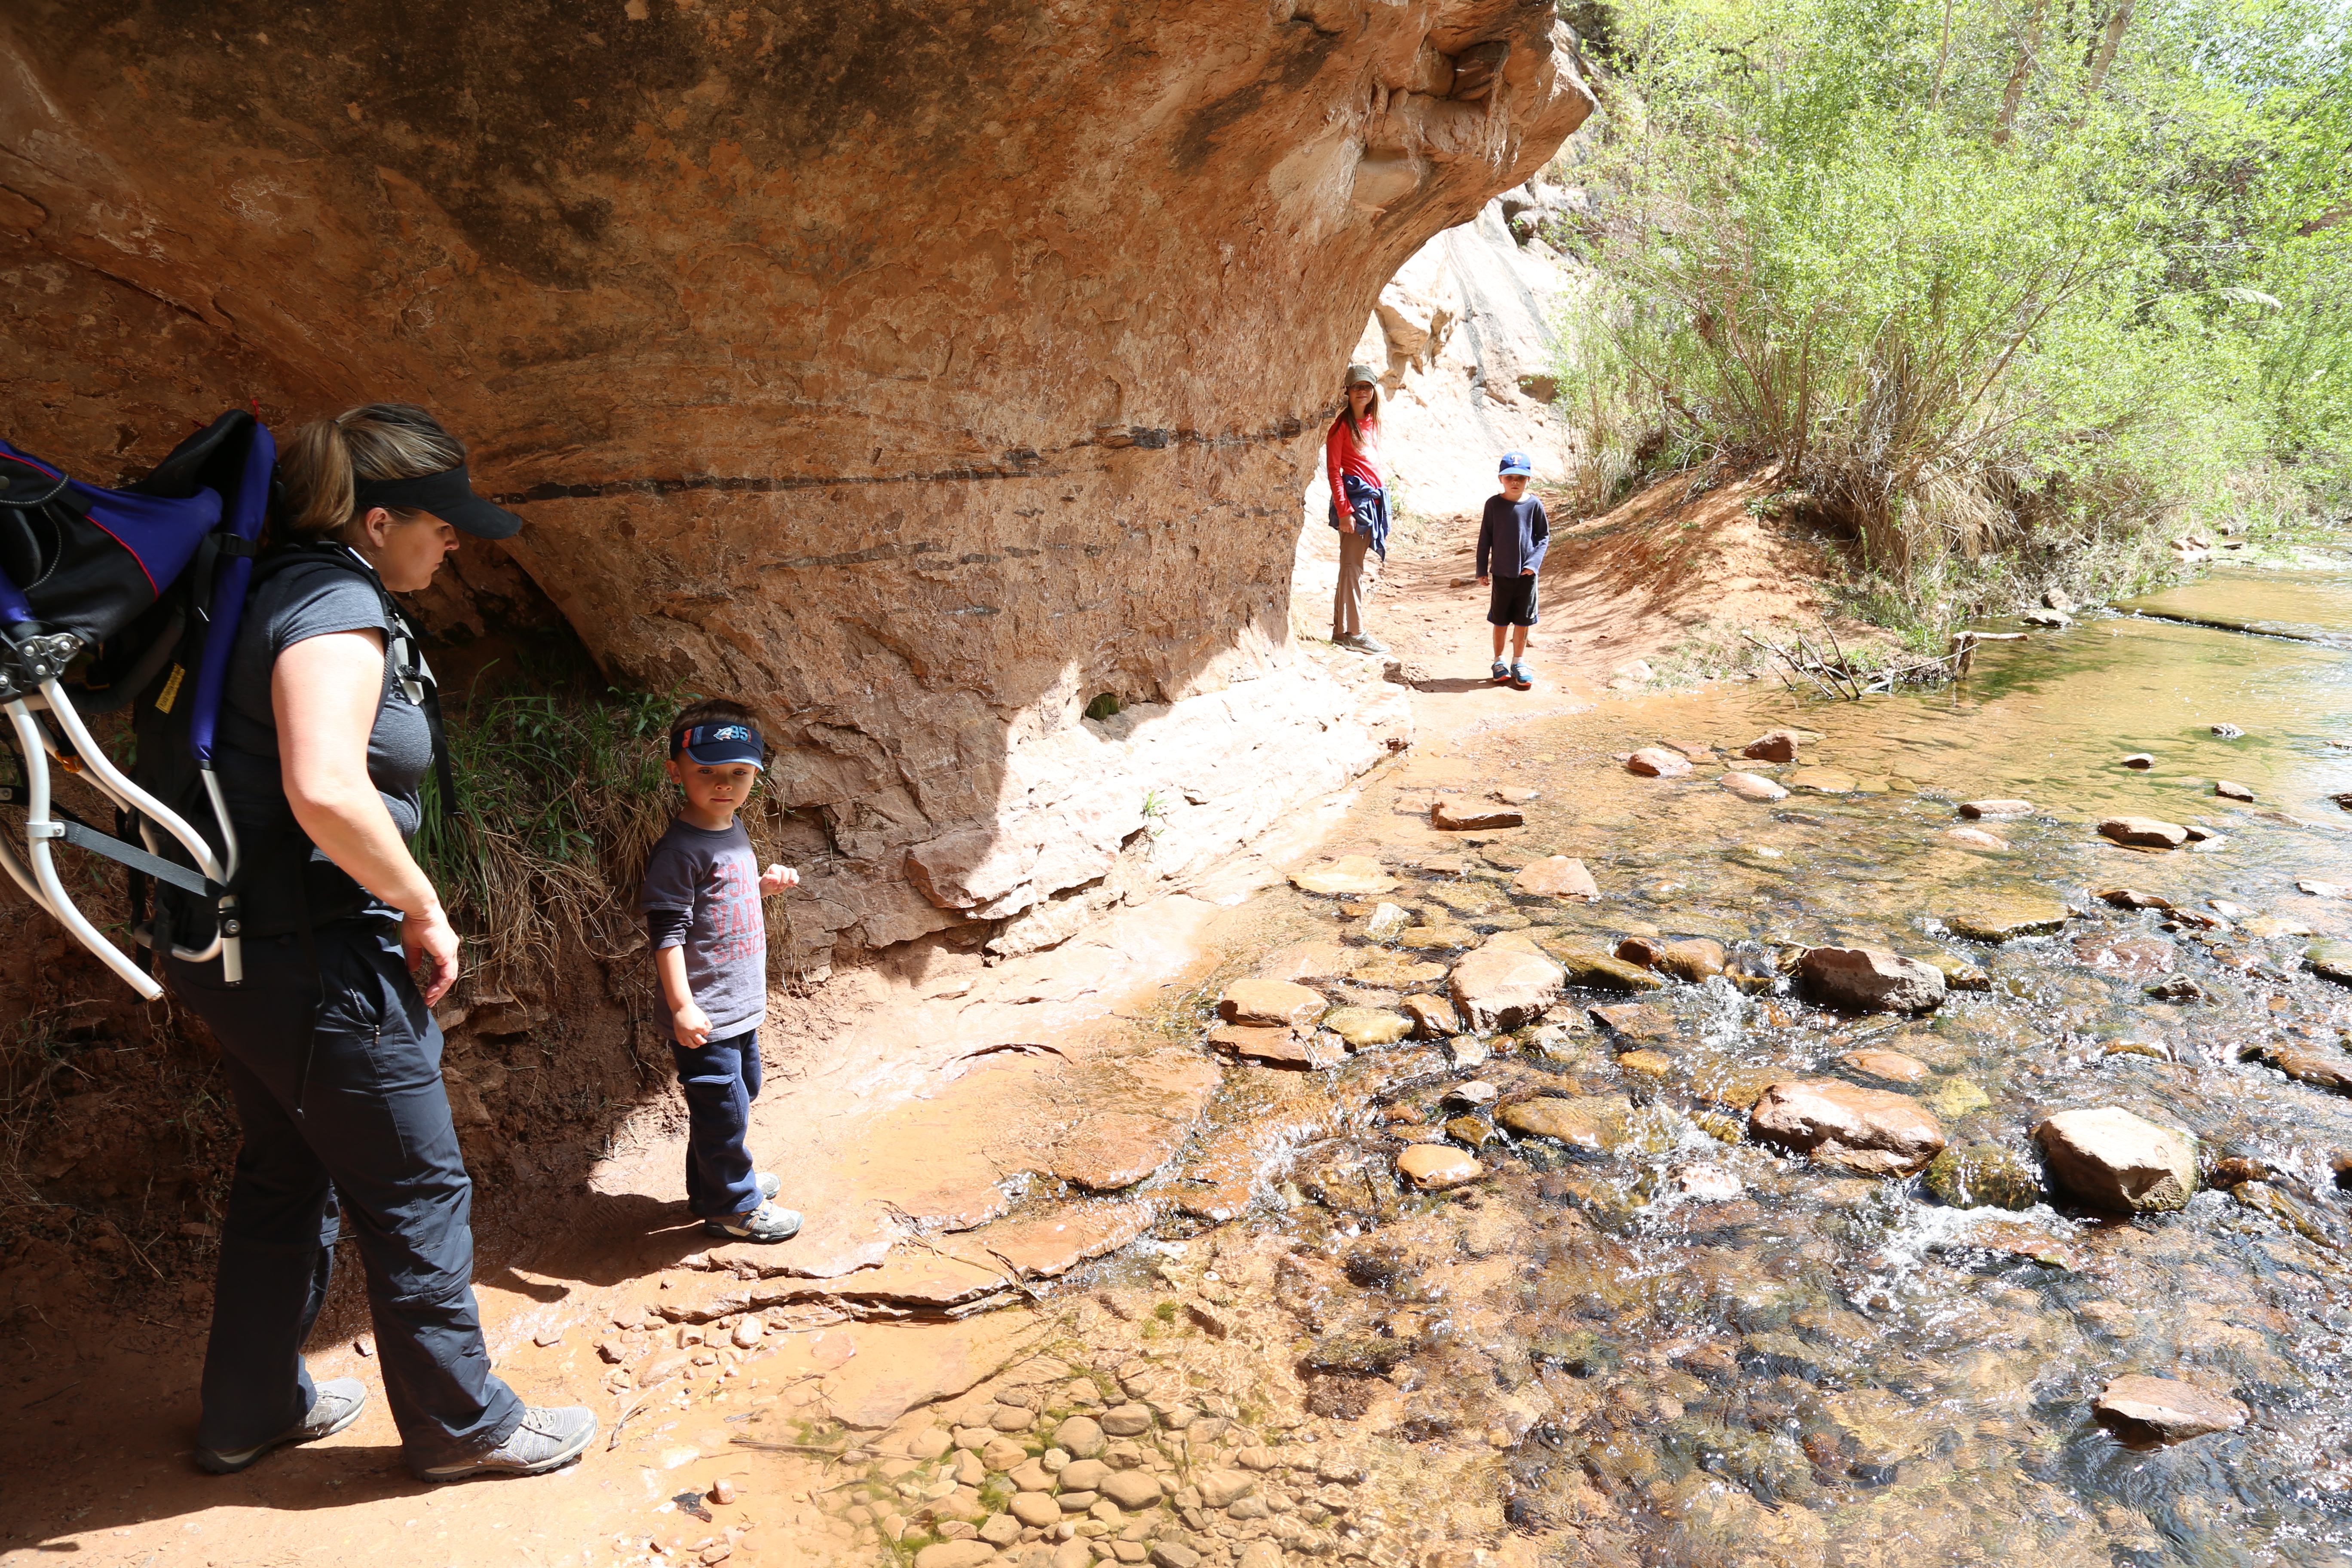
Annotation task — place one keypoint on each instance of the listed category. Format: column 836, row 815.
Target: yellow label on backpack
column 171, row 692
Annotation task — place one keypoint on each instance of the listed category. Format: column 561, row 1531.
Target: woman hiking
column 1359, row 502
column 329, row 1046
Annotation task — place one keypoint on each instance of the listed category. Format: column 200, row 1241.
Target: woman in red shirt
column 1359, row 502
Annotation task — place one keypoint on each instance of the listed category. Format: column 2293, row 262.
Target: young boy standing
column 701, row 903
column 1511, row 539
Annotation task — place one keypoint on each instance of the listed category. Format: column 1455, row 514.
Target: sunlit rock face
column 918, row 374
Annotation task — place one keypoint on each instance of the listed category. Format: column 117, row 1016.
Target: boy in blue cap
column 1511, row 539
column 701, row 903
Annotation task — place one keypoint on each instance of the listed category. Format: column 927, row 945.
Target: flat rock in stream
column 1311, row 960
column 1433, row 1167
column 1360, row 875
column 2330, row 961
column 1362, row 1027
column 1692, row 960
column 1997, row 915
column 2229, row 790
column 1753, row 786
column 1271, row 1004
column 1869, row 980
column 2139, row 760
column 1657, row 763
column 2145, row 832
column 1983, row 1176
column 1110, row 1150
column 1975, row 809
column 1058, row 1241
column 1398, row 971
column 1975, row 838
column 1556, row 877
column 1590, row 965
column 1821, row 780
column 1465, row 817
column 2321, row 1070
column 1889, row 1067
column 2112, row 1160
column 1593, row 1124
column 2159, row 1410
column 1306, row 1049
column 1772, row 746
column 1866, row 1130
column 1500, row 988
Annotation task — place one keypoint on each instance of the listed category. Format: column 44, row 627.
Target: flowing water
column 1682, row 1347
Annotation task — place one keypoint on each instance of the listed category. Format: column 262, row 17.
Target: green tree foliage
column 2002, row 286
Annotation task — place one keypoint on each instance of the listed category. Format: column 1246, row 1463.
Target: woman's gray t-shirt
column 714, row 877
column 299, row 601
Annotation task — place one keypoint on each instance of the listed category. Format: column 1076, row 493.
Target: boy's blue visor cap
column 714, row 743
column 1517, row 463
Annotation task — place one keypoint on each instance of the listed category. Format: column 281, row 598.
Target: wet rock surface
column 1872, row 1132
column 2158, row 1409
column 1870, row 980
column 2111, row 1159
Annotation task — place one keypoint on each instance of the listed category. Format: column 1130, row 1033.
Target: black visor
column 447, row 495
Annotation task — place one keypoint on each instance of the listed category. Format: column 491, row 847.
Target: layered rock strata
column 926, row 381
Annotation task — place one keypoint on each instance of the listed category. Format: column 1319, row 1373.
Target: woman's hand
column 1486, row 581
column 1527, row 571
column 1347, row 523
column 777, row 877
column 692, row 1024
column 426, row 937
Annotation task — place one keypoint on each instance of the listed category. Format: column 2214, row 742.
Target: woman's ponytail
column 323, row 461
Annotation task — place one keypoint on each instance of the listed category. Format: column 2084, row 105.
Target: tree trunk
column 2015, row 93
column 2116, row 23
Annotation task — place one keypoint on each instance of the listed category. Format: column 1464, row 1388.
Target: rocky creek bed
column 1907, row 1167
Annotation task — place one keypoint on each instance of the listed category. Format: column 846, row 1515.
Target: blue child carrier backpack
column 111, row 596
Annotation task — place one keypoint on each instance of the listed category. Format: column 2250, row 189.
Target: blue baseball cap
column 729, row 742
column 1517, row 463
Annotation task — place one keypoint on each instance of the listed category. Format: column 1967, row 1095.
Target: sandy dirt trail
column 897, row 1107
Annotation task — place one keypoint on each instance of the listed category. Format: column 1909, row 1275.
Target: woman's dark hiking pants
column 352, row 1110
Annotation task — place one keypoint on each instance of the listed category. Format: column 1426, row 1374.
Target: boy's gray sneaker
column 766, row 1223
column 334, row 1406
column 548, row 1439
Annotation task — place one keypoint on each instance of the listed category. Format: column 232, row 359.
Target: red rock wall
column 916, row 373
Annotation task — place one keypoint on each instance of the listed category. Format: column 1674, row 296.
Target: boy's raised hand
column 777, row 877
column 1486, row 581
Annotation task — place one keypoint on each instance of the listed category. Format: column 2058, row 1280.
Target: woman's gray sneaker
column 334, row 1406
column 548, row 1439
column 766, row 1223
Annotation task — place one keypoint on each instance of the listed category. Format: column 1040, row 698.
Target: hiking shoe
column 1520, row 678
column 548, row 1439
column 1364, row 642
column 334, row 1406
column 766, row 1223
column 1502, row 673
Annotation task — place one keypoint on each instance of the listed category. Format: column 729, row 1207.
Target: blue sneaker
column 1520, row 678
column 1502, row 673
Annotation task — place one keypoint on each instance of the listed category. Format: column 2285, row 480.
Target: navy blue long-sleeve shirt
column 1512, row 536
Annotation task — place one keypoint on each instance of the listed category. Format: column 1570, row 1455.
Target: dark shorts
column 1512, row 602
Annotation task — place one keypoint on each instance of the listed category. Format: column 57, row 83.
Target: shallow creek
column 1682, row 1347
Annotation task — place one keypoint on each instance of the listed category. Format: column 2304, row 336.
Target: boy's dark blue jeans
column 721, row 1080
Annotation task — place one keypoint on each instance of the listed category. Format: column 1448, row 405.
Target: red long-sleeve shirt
column 1343, row 455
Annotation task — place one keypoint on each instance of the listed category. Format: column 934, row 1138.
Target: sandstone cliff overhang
column 918, row 375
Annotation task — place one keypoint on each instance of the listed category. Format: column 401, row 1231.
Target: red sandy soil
column 894, row 1105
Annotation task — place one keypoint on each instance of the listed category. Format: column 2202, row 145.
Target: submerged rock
column 1274, row 1003
column 2111, row 1159
column 1753, row 786
column 2146, row 832
column 1435, row 936
column 1558, row 876
column 1983, row 1176
column 1593, row 1125
column 1823, row 781
column 1434, row 1166
column 1960, row 974
column 1499, row 988
column 1867, row 1130
column 1588, row 965
column 2159, row 1410
column 1635, row 1021
column 1892, row 1066
column 2330, row 961
column 1869, row 980
column 1398, row 971
column 2140, row 760
column 1692, row 960
column 1362, row 1027
column 1357, row 874
column 1279, row 1048
column 2321, row 1070
column 1975, row 839
column 1995, row 915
